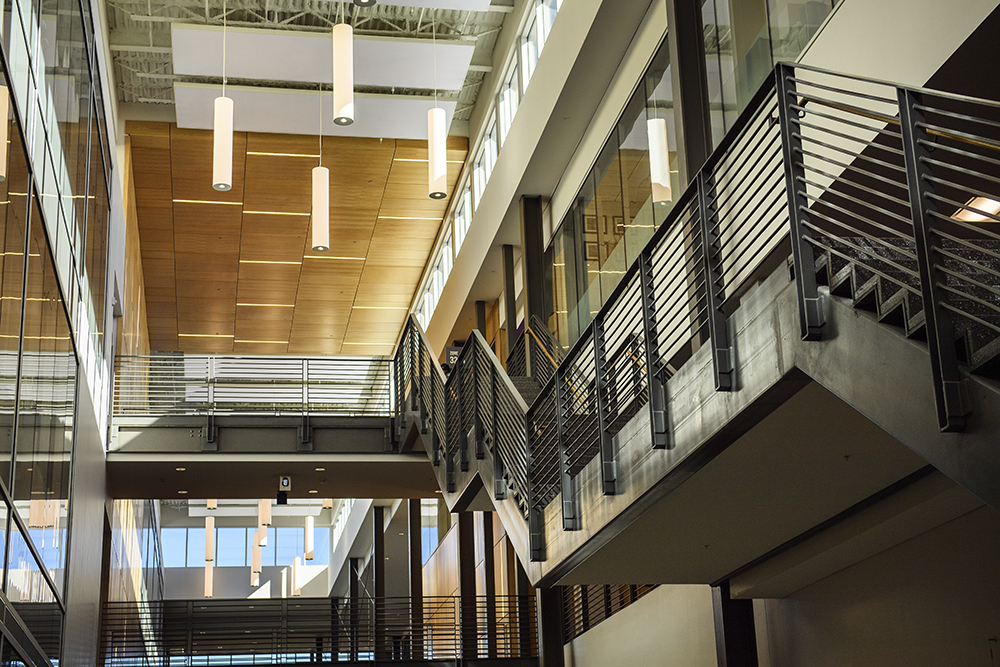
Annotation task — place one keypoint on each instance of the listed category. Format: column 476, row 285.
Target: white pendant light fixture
column 209, row 580
column 254, row 579
column 260, row 536
column 296, row 574
column 212, row 504
column 255, row 559
column 310, row 534
column 659, row 160
column 328, row 503
column 437, row 137
column 222, row 153
column 343, row 74
column 321, row 195
column 4, row 130
column 264, row 512
column 365, row 3
column 209, row 538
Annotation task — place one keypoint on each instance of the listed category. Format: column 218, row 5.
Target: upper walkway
column 726, row 402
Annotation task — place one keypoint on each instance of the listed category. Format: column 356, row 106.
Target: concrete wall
column 672, row 625
column 933, row 600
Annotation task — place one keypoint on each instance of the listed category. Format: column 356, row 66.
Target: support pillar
column 735, row 639
column 489, row 569
column 354, row 606
column 550, row 627
column 481, row 317
column 509, row 296
column 416, row 580
column 692, row 120
column 525, row 593
column 533, row 274
column 467, row 585
column 378, row 581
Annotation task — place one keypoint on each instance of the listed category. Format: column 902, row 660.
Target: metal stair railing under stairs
column 887, row 194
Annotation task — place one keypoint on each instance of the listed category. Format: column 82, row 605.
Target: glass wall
column 185, row 547
column 743, row 41
column 613, row 216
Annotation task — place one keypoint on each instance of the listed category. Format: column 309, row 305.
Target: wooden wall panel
column 133, row 330
column 234, row 271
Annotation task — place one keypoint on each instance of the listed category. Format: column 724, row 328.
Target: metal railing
column 192, row 384
column 883, row 189
column 536, row 354
column 282, row 631
column 584, row 606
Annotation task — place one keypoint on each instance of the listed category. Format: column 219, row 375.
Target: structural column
column 537, row 283
column 525, row 593
column 550, row 627
column 467, row 585
column 509, row 296
column 416, row 580
column 693, row 123
column 354, row 613
column 735, row 638
column 489, row 569
column 378, row 580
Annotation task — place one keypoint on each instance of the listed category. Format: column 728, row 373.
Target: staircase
column 884, row 195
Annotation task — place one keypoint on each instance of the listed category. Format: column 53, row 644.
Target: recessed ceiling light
column 183, row 493
column 313, row 491
column 437, row 491
column 180, row 469
column 320, row 469
column 365, row 3
column 990, row 206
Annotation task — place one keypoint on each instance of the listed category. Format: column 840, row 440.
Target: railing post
column 305, row 434
column 463, row 390
column 414, row 351
column 499, row 485
column 722, row 360
column 609, row 460
column 435, row 419
column 811, row 316
column 424, row 377
column 477, row 417
column 950, row 392
column 536, row 524
column 211, row 442
column 657, row 394
column 570, row 502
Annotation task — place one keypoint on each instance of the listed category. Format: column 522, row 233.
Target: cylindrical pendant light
column 255, row 579
column 296, row 573
column 4, row 130
column 212, row 504
column 264, row 512
column 310, row 532
column 222, row 156
column 209, row 538
column 260, row 536
column 343, row 74
column 437, row 154
column 659, row 160
column 328, row 503
column 209, row 579
column 321, row 209
column 255, row 559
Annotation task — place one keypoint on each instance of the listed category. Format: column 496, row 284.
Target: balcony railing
column 175, row 633
column 188, row 384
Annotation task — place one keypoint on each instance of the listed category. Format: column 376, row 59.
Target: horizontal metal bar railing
column 280, row 631
column 585, row 606
column 187, row 384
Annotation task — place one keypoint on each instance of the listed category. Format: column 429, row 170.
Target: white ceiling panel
column 296, row 112
column 273, row 55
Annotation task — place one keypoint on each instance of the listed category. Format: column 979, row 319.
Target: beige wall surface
column 672, row 625
column 933, row 600
column 901, row 41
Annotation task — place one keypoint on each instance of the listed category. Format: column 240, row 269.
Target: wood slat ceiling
column 233, row 272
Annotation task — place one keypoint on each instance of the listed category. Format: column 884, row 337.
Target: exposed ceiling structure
column 149, row 62
column 233, row 272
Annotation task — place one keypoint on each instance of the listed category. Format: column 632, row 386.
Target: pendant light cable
column 434, row 59
column 223, row 48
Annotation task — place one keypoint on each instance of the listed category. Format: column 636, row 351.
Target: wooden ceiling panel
column 201, row 257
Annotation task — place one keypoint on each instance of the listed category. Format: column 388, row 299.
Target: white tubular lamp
column 254, row 579
column 209, row 538
column 264, row 512
column 255, row 559
column 437, row 154
column 296, row 573
column 260, row 536
column 320, row 209
column 310, row 533
column 209, row 579
column 343, row 74
column 659, row 161
column 222, row 149
column 212, row 504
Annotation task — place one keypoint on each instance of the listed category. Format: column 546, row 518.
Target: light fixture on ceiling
column 260, row 537
column 437, row 136
column 343, row 74
column 209, row 579
column 254, row 579
column 659, row 159
column 296, row 575
column 321, row 190
column 212, row 504
column 209, row 538
column 264, row 512
column 222, row 153
column 983, row 204
column 328, row 503
column 309, row 538
column 365, row 3
column 255, row 559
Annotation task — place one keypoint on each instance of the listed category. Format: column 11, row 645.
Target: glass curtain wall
column 743, row 41
column 613, row 216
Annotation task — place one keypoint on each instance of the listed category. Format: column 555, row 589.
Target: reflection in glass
column 31, row 596
column 14, row 209
column 45, row 411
